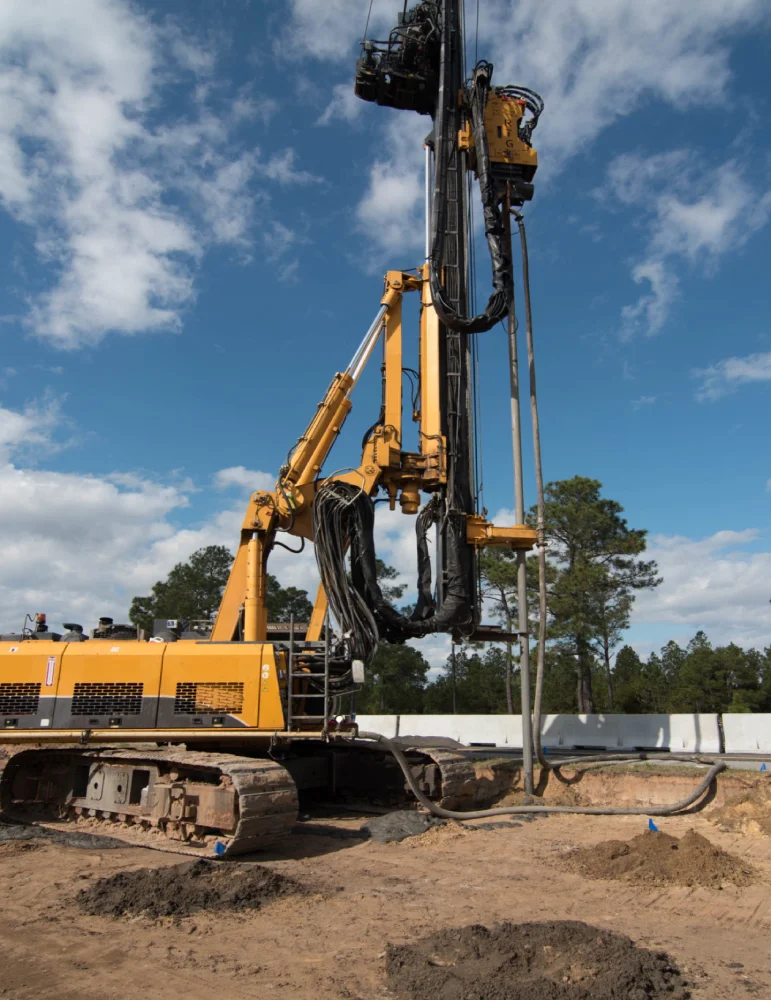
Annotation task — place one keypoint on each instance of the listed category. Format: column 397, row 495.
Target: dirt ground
column 363, row 896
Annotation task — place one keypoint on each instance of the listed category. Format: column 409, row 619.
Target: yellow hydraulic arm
column 384, row 463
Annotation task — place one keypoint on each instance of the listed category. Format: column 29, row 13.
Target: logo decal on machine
column 50, row 671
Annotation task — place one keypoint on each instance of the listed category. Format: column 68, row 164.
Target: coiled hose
column 443, row 813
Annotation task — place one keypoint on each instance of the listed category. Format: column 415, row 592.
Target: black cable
column 366, row 24
column 293, row 551
column 498, row 303
column 476, row 38
column 343, row 522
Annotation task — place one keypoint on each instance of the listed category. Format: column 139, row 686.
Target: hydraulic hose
column 443, row 813
column 541, row 542
column 541, row 656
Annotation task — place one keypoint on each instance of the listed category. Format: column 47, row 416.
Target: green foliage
column 391, row 591
column 696, row 679
column 713, row 680
column 559, row 683
column 479, row 683
column 395, row 682
column 191, row 590
column 194, row 590
column 284, row 603
column 596, row 572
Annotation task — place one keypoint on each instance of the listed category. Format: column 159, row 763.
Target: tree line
column 698, row 678
column 594, row 570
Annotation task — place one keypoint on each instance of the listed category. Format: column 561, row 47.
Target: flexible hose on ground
column 443, row 813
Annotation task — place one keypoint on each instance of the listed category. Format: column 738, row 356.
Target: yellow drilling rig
column 241, row 719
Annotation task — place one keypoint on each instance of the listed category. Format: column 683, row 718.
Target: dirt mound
column 654, row 856
column 446, row 833
column 749, row 814
column 181, row 890
column 399, row 825
column 561, row 960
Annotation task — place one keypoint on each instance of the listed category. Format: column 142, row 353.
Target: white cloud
column 650, row 312
column 121, row 207
column 637, row 404
column 243, row 479
column 281, row 168
column 609, row 56
column 604, row 57
column 331, row 30
column 30, row 429
column 389, row 213
column 712, row 584
column 344, row 104
column 278, row 239
column 692, row 212
column 726, row 376
column 79, row 546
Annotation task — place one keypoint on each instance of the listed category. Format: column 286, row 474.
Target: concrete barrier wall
column 386, row 725
column 745, row 733
column 679, row 733
column 499, row 730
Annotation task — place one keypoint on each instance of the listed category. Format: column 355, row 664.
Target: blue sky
column 196, row 216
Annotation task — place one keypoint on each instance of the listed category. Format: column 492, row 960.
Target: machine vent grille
column 107, row 699
column 203, row 698
column 19, row 699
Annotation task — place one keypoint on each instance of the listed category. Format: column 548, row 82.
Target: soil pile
column 181, row 890
column 749, row 813
column 439, row 835
column 399, row 825
column 560, row 960
column 654, row 856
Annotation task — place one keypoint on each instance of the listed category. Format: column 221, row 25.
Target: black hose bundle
column 495, row 231
column 344, row 517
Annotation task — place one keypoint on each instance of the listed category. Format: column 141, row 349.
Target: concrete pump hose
column 443, row 813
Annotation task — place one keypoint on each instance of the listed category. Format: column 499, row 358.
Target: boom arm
column 419, row 68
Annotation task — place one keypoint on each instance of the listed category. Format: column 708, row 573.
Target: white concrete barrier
column 386, row 725
column 679, row 733
column 496, row 730
column 745, row 733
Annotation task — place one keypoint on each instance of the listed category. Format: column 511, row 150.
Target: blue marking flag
column 652, row 826
column 219, row 848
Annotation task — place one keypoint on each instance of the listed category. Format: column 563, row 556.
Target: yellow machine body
column 134, row 685
column 502, row 119
column 503, row 116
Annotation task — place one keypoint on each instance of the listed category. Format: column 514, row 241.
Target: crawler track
column 199, row 803
column 468, row 782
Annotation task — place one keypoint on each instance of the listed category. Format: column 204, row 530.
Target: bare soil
column 554, row 960
column 366, row 898
column 657, row 857
column 13, row 848
column 746, row 810
column 182, row 890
